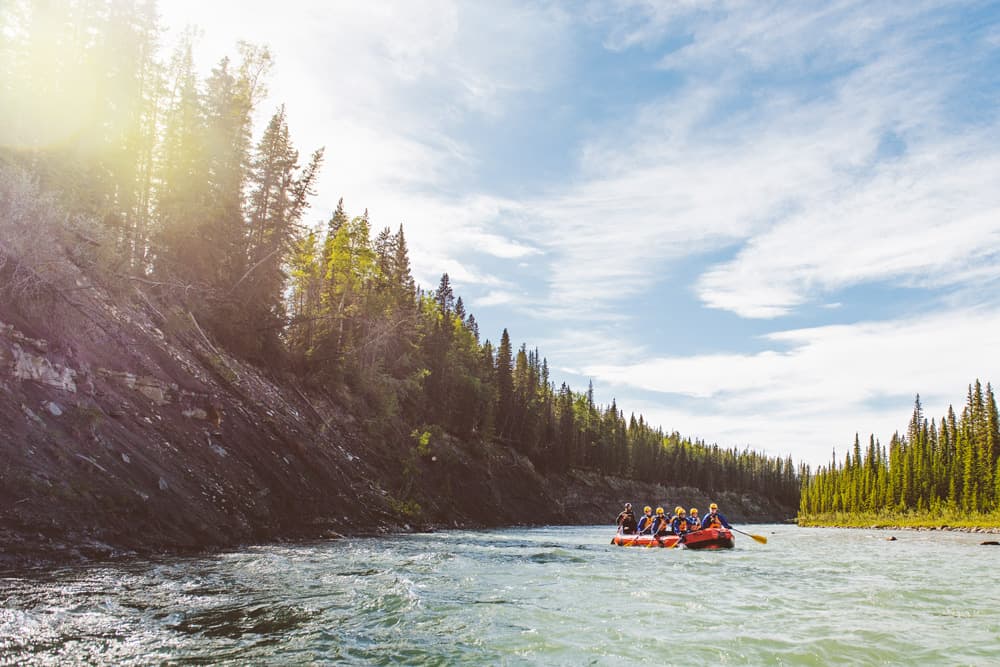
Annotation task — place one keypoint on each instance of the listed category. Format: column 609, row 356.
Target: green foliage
column 930, row 474
column 423, row 440
column 410, row 509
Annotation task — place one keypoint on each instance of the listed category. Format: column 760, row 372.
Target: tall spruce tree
column 279, row 196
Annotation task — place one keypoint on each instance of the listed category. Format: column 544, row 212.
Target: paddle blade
column 759, row 538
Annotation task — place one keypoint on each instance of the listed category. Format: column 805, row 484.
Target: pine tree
column 307, row 274
column 402, row 279
column 445, row 297
column 182, row 194
column 351, row 266
column 230, row 100
column 337, row 220
column 279, row 195
column 505, row 386
column 992, row 447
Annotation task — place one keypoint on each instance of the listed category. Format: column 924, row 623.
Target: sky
column 761, row 224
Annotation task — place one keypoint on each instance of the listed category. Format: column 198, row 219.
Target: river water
column 548, row 596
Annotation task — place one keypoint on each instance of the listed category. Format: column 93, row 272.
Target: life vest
column 713, row 521
column 645, row 523
column 694, row 522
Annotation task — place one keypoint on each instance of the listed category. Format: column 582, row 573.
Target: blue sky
column 760, row 224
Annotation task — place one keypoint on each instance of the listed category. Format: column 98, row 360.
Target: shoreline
column 981, row 530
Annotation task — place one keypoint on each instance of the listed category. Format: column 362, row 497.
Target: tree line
column 946, row 466
column 188, row 202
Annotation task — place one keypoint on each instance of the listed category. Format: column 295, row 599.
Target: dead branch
column 251, row 269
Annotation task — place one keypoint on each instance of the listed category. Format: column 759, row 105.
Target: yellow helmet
column 678, row 510
column 647, row 509
column 694, row 510
column 659, row 510
column 713, row 506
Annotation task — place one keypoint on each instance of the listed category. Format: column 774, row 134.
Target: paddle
column 756, row 538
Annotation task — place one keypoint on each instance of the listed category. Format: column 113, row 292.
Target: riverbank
column 972, row 523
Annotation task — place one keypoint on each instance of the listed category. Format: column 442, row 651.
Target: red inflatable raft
column 707, row 538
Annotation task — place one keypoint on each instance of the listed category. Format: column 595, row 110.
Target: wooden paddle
column 756, row 538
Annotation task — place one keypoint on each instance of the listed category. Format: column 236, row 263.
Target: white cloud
column 830, row 382
column 928, row 220
column 494, row 298
column 498, row 246
column 796, row 176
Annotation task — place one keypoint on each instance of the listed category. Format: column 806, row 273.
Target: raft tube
column 707, row 538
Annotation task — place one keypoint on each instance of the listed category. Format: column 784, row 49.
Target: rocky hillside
column 125, row 428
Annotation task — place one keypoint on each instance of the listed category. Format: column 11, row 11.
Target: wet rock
column 891, row 538
column 990, row 543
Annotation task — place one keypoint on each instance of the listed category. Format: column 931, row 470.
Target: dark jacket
column 713, row 517
column 626, row 521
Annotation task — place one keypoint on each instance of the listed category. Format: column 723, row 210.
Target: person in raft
column 713, row 519
column 626, row 520
column 694, row 519
column 661, row 524
column 645, row 526
column 679, row 524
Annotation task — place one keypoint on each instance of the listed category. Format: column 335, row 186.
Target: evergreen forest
column 169, row 185
column 944, row 471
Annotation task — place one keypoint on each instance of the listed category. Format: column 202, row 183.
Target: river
column 548, row 596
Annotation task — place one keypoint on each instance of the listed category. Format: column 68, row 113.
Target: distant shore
column 987, row 524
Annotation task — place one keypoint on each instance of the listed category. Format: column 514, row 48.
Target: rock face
column 28, row 366
column 124, row 429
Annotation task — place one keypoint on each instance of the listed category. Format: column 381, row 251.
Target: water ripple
column 554, row 596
